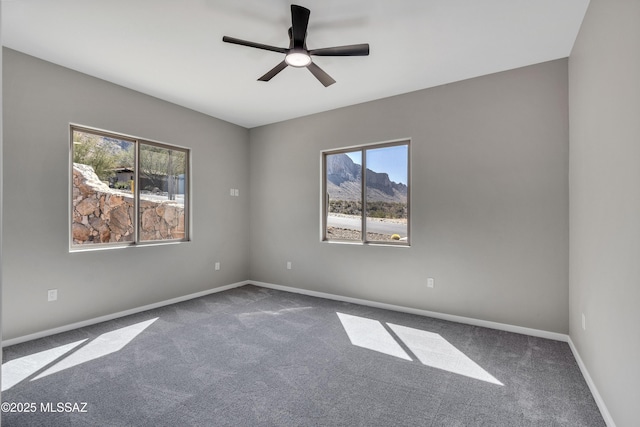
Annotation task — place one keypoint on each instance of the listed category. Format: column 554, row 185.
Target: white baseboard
column 450, row 317
column 592, row 386
column 107, row 317
column 459, row 319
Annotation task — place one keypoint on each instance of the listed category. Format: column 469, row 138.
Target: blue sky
column 392, row 160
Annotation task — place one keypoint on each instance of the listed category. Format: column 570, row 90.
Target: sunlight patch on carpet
column 429, row 348
column 18, row 370
column 433, row 350
column 105, row 344
column 370, row 334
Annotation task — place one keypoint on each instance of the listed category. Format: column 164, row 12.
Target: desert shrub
column 375, row 209
column 393, row 210
column 346, row 207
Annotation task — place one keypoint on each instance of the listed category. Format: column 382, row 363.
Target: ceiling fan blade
column 275, row 70
column 290, row 38
column 252, row 44
column 324, row 78
column 350, row 50
column 299, row 23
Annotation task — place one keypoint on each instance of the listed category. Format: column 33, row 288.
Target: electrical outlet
column 232, row 192
column 52, row 295
column 288, row 265
column 236, row 192
column 430, row 282
column 584, row 322
column 217, row 266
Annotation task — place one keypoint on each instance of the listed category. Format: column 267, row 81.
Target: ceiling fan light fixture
column 297, row 55
column 297, row 58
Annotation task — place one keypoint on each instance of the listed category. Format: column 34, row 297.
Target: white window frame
column 136, row 194
column 324, row 195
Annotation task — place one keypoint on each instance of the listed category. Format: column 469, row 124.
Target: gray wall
column 1, row 187
column 40, row 101
column 604, row 89
column 489, row 200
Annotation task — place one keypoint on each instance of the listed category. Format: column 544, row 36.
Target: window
column 126, row 190
column 366, row 194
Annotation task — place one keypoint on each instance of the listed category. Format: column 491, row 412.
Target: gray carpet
column 259, row 357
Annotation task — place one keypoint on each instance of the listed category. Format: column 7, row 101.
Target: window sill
column 386, row 245
column 137, row 245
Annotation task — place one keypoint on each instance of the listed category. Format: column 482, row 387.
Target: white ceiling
column 173, row 49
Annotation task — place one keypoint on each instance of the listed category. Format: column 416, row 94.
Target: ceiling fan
column 297, row 55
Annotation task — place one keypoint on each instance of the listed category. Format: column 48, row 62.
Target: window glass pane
column 103, row 171
column 344, row 196
column 386, row 193
column 163, row 184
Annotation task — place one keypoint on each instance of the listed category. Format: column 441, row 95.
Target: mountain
column 113, row 145
column 343, row 176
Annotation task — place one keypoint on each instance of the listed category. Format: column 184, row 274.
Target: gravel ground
column 346, row 234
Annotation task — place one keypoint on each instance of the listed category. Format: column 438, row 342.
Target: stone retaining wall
column 104, row 215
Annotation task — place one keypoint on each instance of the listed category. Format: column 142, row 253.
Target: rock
column 86, row 180
column 80, row 232
column 163, row 229
column 146, row 235
column 178, row 232
column 115, row 201
column 97, row 223
column 146, row 204
column 102, row 214
column 119, row 221
column 105, row 235
column 149, row 220
column 87, row 206
column 170, row 215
